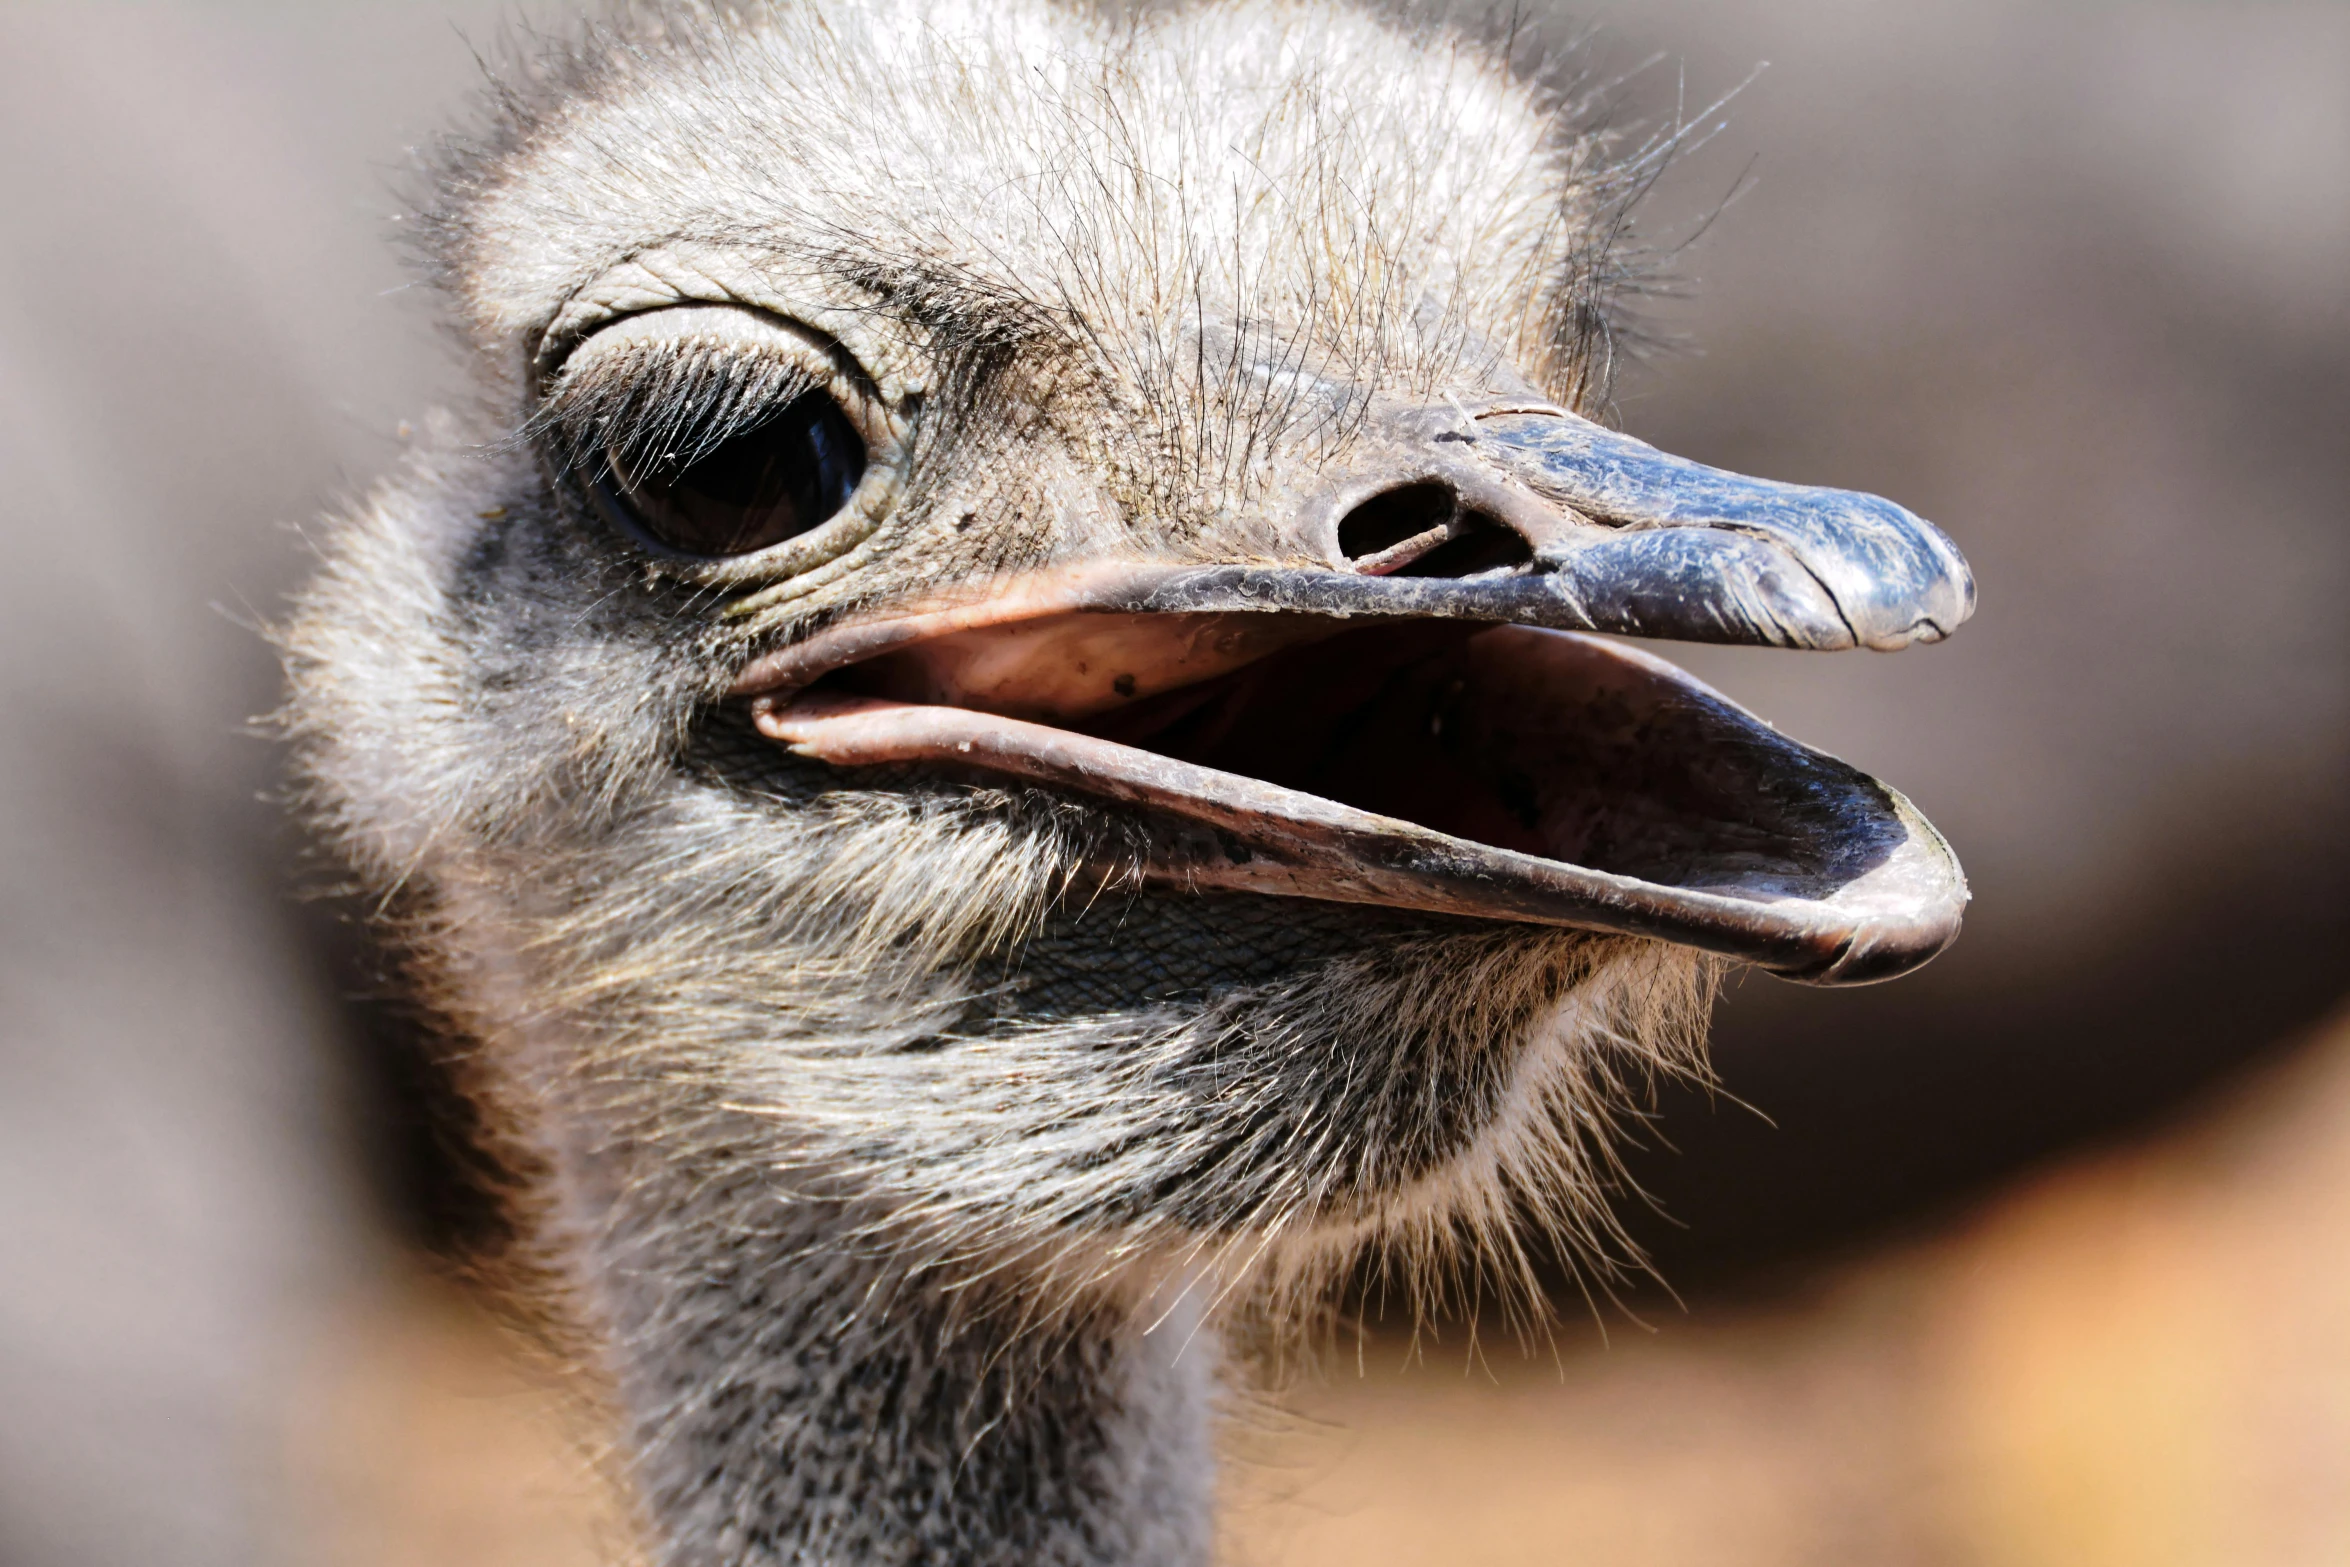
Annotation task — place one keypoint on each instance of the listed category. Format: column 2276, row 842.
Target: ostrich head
column 991, row 722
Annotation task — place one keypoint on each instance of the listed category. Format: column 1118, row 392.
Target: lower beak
column 1379, row 733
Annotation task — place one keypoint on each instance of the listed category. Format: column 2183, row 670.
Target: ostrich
column 992, row 725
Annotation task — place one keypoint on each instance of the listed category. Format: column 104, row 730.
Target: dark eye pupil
column 766, row 484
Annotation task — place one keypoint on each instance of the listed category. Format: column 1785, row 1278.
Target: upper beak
column 1622, row 538
column 1557, row 780
column 1654, row 545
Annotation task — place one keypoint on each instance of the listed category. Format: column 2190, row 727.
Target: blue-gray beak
column 1654, row 545
column 1542, row 518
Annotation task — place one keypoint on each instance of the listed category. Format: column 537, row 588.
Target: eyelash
column 670, row 403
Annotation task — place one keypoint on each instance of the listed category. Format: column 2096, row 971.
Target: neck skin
column 788, row 1394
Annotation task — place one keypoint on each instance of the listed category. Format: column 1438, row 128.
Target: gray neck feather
column 789, row 1392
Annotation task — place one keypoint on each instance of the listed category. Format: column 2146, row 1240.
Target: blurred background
column 2040, row 1256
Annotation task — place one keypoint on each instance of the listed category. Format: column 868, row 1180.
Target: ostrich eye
column 759, row 486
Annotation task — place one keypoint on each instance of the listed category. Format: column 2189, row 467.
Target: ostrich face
column 1002, row 646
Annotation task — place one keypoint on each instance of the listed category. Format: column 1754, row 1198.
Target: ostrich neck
column 793, row 1393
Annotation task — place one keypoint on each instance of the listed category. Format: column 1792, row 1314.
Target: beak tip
column 1922, row 594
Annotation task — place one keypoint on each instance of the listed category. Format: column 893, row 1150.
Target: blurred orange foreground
column 2140, row 1359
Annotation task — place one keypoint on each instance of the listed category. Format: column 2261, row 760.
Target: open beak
column 1401, row 710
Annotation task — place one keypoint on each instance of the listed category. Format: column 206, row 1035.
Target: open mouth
column 1409, row 710
column 1441, row 764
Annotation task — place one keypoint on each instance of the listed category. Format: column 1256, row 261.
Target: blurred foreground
column 2136, row 1360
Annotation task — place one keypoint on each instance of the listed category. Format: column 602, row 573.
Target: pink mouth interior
column 1562, row 747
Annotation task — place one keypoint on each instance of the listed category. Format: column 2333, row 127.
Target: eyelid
column 681, row 379
column 695, row 371
column 729, row 324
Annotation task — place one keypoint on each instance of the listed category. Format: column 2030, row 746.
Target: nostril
column 1395, row 517
column 1478, row 543
column 1420, row 530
